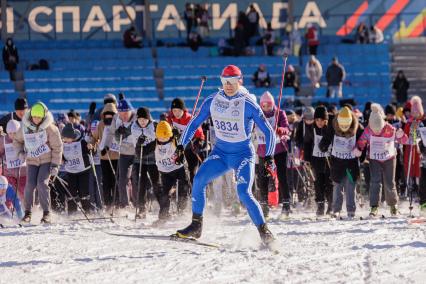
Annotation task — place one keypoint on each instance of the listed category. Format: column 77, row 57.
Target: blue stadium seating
column 84, row 71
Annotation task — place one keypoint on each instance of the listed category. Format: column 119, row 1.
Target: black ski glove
column 141, row 140
column 179, row 155
column 104, row 151
column 123, row 131
column 270, row 166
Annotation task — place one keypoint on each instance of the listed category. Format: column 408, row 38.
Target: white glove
column 399, row 133
column 356, row 152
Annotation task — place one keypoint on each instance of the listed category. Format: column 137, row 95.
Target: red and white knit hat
column 267, row 98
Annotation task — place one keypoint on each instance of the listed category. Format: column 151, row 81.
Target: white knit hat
column 3, row 182
column 12, row 126
column 376, row 120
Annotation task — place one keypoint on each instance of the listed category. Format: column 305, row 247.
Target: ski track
column 327, row 251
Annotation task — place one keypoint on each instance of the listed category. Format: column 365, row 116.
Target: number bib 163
column 164, row 158
column 342, row 147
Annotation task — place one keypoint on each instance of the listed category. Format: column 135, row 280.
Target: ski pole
column 139, row 182
column 203, row 80
column 17, row 190
column 285, row 56
column 116, row 176
column 62, row 182
column 92, row 164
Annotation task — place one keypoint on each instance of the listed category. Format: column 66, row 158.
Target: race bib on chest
column 228, row 118
column 12, row 157
column 36, row 144
column 74, row 162
column 382, row 148
column 342, row 147
column 114, row 145
column 179, row 127
column 148, row 132
column 317, row 152
column 261, row 140
column 164, row 158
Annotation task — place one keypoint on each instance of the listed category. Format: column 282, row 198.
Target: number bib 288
column 228, row 118
column 74, row 162
column 342, row 147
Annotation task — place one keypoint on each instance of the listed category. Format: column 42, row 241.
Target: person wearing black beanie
column 143, row 132
column 318, row 159
column 21, row 107
column 178, row 103
column 321, row 112
column 143, row 112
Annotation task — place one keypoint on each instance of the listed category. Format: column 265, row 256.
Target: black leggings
column 154, row 177
column 263, row 180
column 169, row 180
column 108, row 180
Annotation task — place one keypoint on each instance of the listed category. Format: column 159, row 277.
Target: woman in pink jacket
column 380, row 137
column 13, row 164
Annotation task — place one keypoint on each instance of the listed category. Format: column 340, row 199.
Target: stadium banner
column 107, row 19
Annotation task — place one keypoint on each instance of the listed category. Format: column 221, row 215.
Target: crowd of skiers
column 120, row 157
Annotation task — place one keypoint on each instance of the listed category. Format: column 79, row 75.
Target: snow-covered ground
column 368, row 251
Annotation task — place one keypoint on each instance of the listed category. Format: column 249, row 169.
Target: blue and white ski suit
column 233, row 118
column 10, row 196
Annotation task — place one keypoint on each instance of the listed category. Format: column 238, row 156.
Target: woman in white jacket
column 313, row 70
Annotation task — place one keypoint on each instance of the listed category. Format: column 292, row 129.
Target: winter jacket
column 127, row 146
column 148, row 146
column 388, row 131
column 99, row 133
column 335, row 74
column 342, row 167
column 282, row 131
column 54, row 141
column 10, row 57
column 10, row 172
column 412, row 147
column 182, row 122
column 318, row 163
column 312, row 36
column 303, row 135
column 313, row 71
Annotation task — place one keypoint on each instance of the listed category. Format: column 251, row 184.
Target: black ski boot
column 27, row 217
column 320, row 209
column 265, row 234
column 46, row 218
column 194, row 229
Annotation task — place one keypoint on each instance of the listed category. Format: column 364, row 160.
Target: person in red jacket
column 179, row 118
column 412, row 150
column 312, row 38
